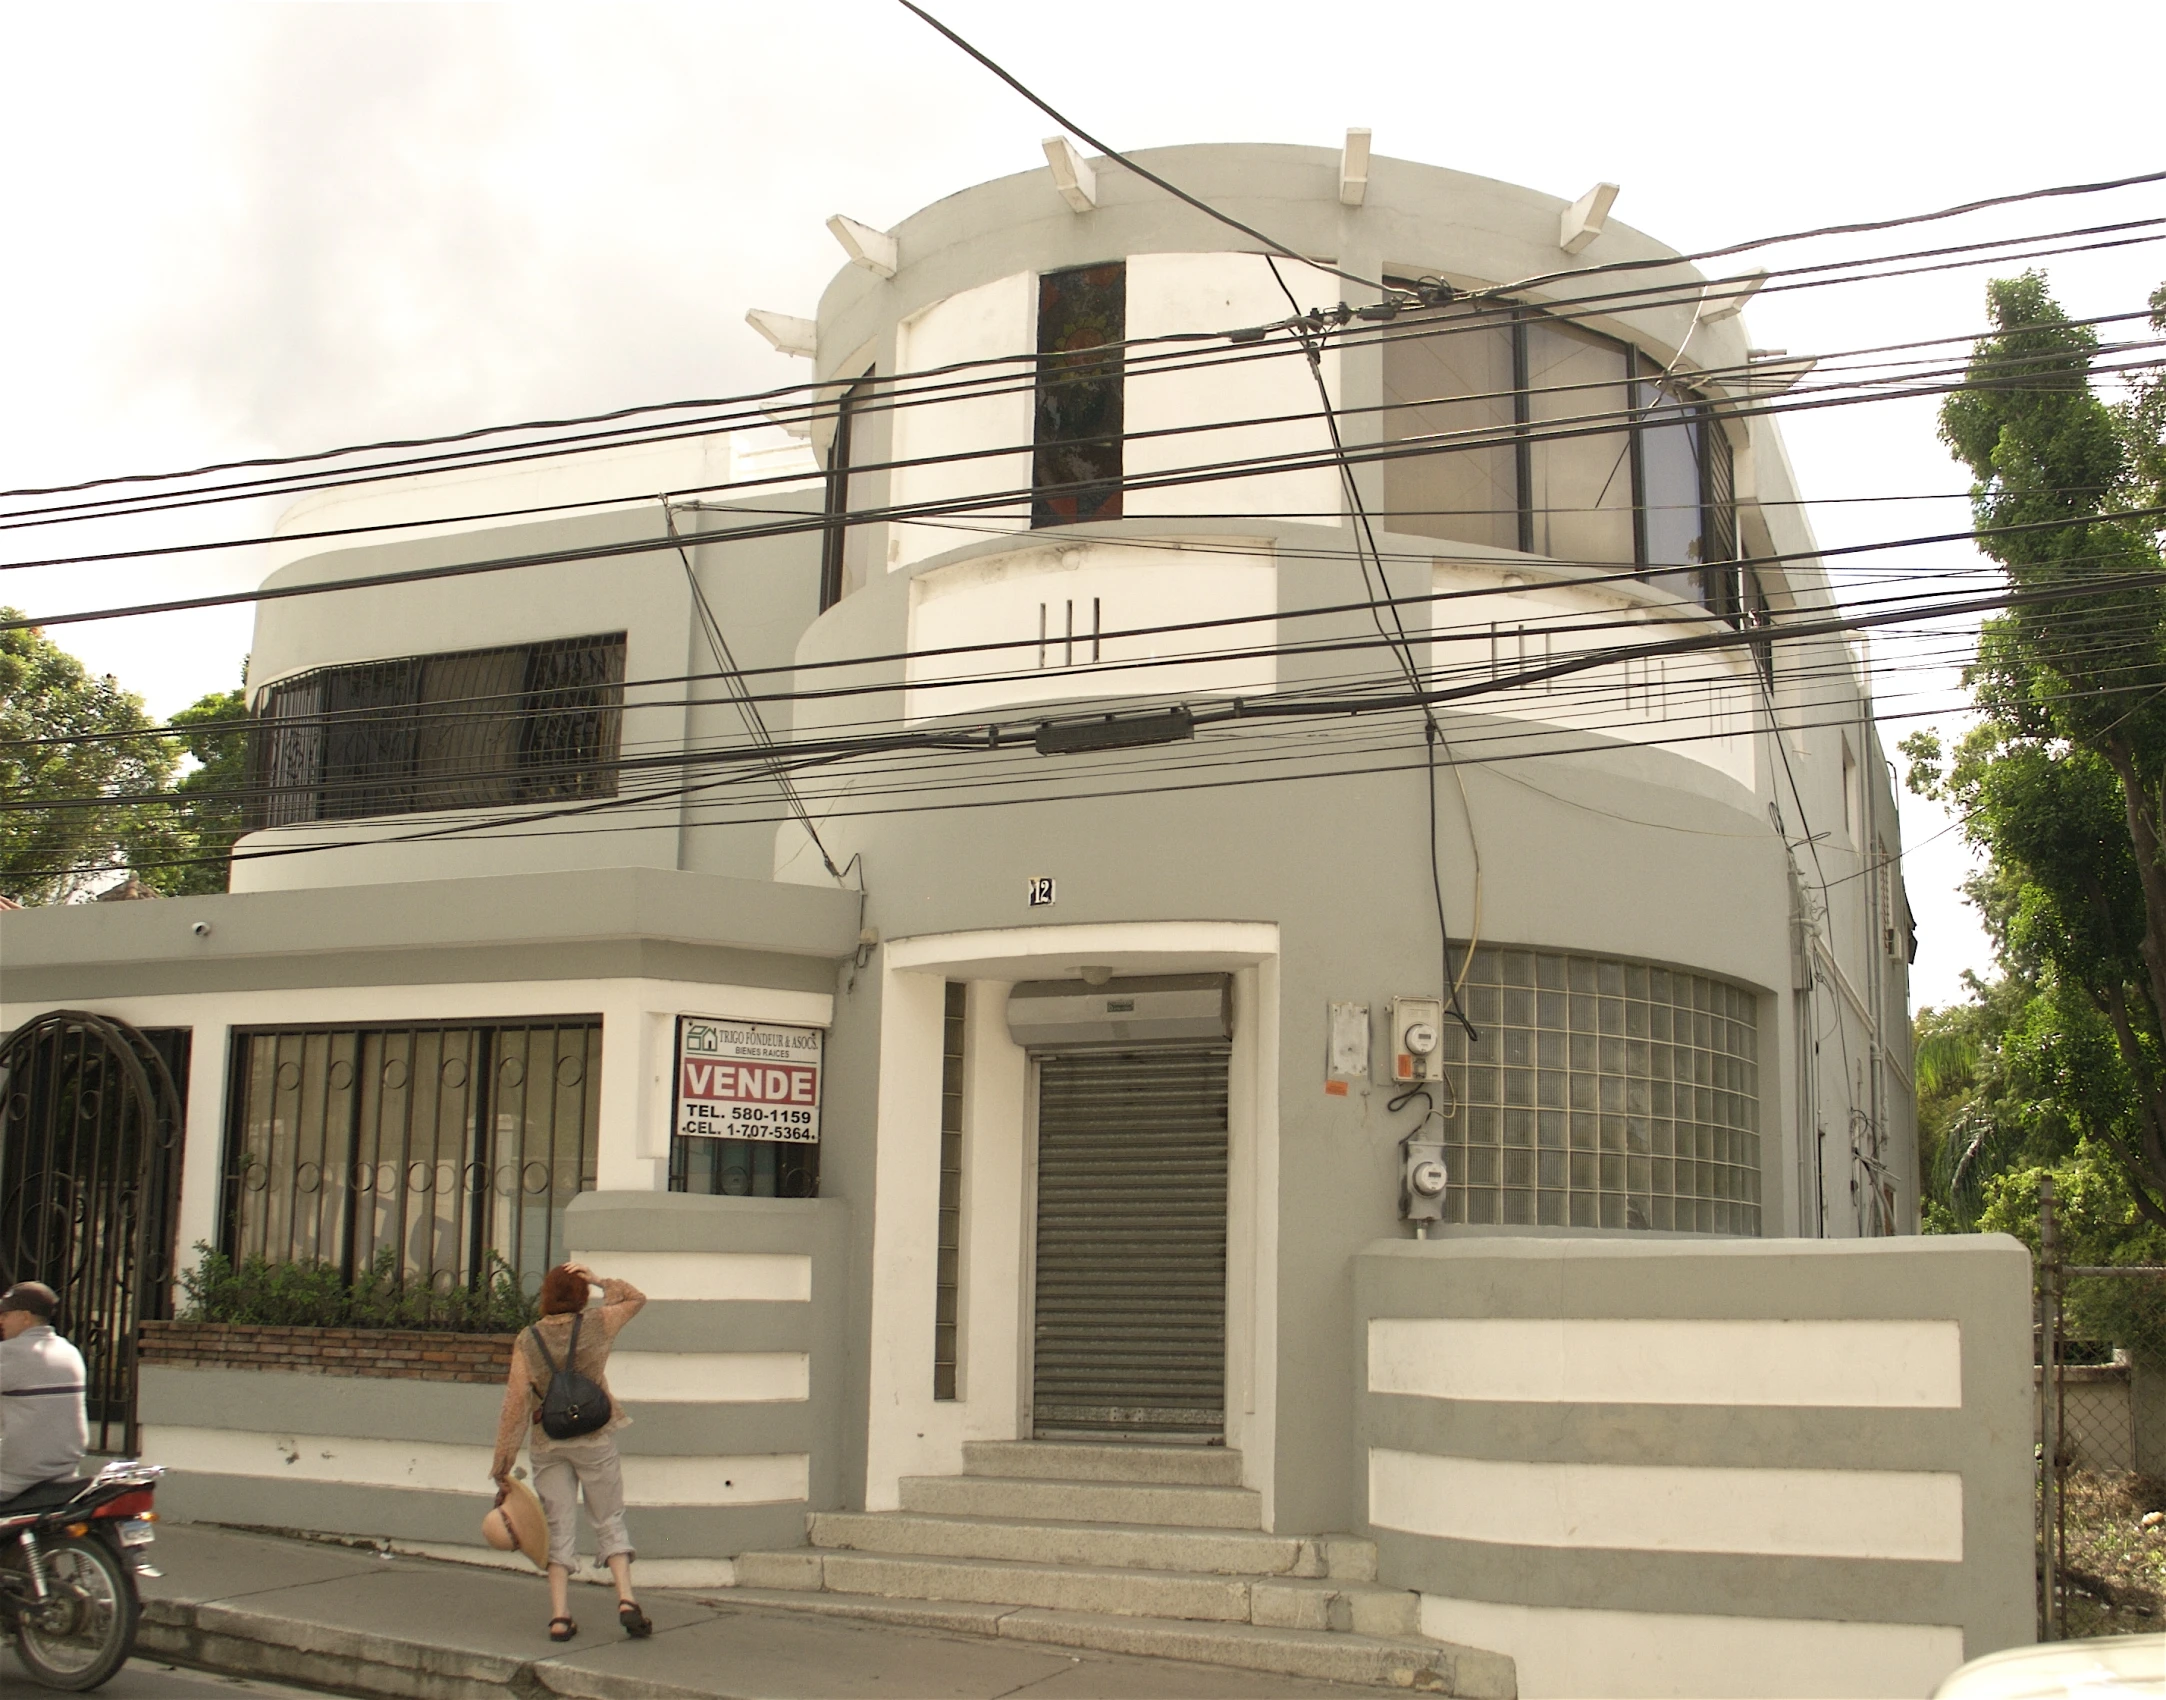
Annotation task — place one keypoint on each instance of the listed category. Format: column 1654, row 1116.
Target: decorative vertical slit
column 948, row 1291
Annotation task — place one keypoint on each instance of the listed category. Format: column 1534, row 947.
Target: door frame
column 908, row 1433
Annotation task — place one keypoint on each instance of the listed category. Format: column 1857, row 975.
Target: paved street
column 148, row 1679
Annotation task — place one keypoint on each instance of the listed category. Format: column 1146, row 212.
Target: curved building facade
column 988, row 836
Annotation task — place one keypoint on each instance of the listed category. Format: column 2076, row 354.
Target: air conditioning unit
column 1067, row 1015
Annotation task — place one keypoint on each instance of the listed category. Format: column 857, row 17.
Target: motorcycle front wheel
column 85, row 1628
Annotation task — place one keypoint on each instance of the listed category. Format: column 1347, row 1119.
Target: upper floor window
column 535, row 722
column 1076, row 437
column 1568, row 444
column 845, row 496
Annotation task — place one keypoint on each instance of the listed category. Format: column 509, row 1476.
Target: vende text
column 751, row 1083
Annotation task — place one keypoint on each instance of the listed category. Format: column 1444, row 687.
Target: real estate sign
column 747, row 1080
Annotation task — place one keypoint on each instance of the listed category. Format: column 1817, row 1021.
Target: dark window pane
column 1670, row 462
column 467, row 737
column 1448, row 375
column 1581, row 476
column 839, row 572
column 568, row 737
column 1076, row 467
column 368, row 740
column 466, row 729
column 289, row 761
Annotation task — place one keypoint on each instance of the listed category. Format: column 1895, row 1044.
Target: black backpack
column 571, row 1405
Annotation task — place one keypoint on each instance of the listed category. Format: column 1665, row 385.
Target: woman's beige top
column 529, row 1375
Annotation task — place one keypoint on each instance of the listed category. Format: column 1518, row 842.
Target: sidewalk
column 415, row 1629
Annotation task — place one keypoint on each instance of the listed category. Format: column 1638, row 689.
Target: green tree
column 2061, row 781
column 197, row 829
column 57, row 745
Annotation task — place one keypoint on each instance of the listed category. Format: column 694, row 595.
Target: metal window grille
column 469, row 729
column 441, row 1143
column 1076, row 466
column 1603, row 1094
column 948, row 1282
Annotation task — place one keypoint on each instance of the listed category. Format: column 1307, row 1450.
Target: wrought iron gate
column 90, row 1132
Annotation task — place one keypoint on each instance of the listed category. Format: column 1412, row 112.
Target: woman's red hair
column 562, row 1292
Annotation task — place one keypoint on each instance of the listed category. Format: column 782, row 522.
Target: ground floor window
column 1603, row 1094
column 445, row 1144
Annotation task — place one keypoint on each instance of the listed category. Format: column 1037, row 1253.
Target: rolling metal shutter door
column 1130, row 1330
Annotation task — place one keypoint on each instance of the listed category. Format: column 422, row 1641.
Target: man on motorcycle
column 43, row 1428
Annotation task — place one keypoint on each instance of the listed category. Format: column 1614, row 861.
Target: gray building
column 1018, row 796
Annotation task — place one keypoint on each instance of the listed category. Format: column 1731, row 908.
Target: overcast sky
column 273, row 228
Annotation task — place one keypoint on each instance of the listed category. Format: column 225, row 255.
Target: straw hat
column 519, row 1523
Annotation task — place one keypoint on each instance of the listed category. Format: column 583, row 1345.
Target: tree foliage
column 70, row 739
column 48, row 855
column 2058, row 1065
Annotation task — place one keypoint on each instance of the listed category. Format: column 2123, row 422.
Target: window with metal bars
column 444, row 1142
column 535, row 722
column 1555, row 440
column 947, row 1291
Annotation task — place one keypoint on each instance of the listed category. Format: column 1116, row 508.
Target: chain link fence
column 2101, row 1431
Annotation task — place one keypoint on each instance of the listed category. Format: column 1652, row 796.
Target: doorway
column 1128, row 1329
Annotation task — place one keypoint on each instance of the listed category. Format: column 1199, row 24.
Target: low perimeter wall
column 732, row 1375
column 1722, row 1468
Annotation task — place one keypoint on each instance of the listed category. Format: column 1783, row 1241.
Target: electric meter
column 1423, row 1179
column 1416, row 1026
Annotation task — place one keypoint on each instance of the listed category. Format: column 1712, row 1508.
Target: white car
column 2109, row 1667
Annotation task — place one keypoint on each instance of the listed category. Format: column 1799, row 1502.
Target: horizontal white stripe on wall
column 1563, row 1654
column 1902, row 1514
column 722, row 1378
column 1887, row 1365
column 757, row 1479
column 711, row 1274
column 440, row 1467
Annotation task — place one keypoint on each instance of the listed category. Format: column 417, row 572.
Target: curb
column 236, row 1642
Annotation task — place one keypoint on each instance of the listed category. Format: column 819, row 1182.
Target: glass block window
column 1076, row 460
column 1603, row 1094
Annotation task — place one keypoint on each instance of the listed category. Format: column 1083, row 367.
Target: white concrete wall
column 992, row 411
column 1174, row 293
column 1489, row 622
column 1018, row 628
column 1703, row 1468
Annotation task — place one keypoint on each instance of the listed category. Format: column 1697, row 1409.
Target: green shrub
column 309, row 1293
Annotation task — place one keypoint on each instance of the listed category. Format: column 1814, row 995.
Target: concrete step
column 1084, row 1461
column 1274, row 1602
column 1116, row 1546
column 1084, row 1502
column 1431, row 1666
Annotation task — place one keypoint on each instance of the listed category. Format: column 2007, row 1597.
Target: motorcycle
column 68, row 1562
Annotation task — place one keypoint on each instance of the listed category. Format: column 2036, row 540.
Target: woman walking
column 572, row 1341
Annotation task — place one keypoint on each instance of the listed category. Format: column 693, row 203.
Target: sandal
column 636, row 1622
column 562, row 1629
